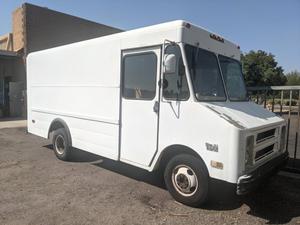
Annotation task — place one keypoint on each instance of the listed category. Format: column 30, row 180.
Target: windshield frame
column 246, row 99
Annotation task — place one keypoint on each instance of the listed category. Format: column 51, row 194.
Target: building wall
column 18, row 29
column 12, row 67
column 12, row 86
column 6, row 67
column 45, row 28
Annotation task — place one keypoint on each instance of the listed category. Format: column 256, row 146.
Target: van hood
column 244, row 115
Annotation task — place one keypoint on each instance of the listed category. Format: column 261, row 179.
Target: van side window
column 175, row 85
column 139, row 76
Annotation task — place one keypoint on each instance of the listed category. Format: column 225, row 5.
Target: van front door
column 140, row 105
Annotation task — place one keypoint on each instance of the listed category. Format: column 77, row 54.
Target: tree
column 293, row 78
column 261, row 69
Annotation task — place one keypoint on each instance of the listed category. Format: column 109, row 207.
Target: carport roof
column 8, row 54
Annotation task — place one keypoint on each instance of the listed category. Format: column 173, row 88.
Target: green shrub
column 293, row 102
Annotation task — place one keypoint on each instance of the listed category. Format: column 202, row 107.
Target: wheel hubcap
column 60, row 144
column 184, row 180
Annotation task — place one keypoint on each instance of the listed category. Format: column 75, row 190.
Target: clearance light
column 217, row 38
column 187, row 25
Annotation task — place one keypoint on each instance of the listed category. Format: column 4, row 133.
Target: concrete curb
column 13, row 124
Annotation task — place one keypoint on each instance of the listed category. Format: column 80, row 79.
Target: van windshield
column 205, row 74
column 233, row 77
column 207, row 78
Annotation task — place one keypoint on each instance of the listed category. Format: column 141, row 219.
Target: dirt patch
column 37, row 188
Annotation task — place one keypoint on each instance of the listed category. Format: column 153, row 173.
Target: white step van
column 170, row 96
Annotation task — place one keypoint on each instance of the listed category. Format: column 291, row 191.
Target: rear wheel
column 186, row 178
column 61, row 145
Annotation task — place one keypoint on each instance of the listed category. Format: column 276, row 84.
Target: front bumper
column 249, row 182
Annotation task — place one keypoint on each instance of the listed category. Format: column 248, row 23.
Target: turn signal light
column 216, row 164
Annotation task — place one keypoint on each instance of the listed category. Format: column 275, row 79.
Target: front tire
column 186, row 178
column 61, row 144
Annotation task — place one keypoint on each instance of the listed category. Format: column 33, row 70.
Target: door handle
column 156, row 107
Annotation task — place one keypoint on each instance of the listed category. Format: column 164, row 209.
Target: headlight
column 249, row 150
column 282, row 138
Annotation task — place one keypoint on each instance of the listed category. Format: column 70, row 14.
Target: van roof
column 177, row 31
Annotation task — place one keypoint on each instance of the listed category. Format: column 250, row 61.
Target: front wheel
column 186, row 178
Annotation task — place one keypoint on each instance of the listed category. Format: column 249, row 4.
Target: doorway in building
column 5, row 96
column 16, row 99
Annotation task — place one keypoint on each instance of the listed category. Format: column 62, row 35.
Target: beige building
column 36, row 28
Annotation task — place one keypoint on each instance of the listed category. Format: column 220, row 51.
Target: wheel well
column 59, row 123
column 172, row 151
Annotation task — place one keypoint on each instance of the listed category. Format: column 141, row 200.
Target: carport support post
column 290, row 103
column 281, row 102
column 273, row 101
column 265, row 99
column 289, row 120
column 296, row 138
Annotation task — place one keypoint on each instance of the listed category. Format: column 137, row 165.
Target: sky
column 269, row 25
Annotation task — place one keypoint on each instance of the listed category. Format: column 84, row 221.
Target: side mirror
column 170, row 62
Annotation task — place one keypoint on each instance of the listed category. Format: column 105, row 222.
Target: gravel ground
column 37, row 188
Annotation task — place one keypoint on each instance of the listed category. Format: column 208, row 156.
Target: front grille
column 264, row 152
column 265, row 135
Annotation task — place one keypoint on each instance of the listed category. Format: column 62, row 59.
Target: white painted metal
column 139, row 121
column 80, row 84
